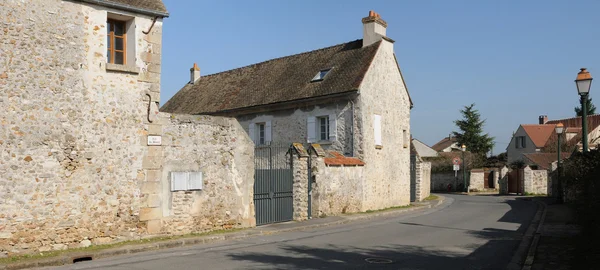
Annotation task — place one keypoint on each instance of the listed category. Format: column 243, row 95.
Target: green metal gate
column 273, row 183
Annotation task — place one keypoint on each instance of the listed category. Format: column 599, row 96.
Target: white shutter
column 251, row 132
column 377, row 129
column 179, row 181
column 311, row 129
column 195, row 181
column 332, row 127
column 268, row 134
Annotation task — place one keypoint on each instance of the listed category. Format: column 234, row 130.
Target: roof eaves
column 127, row 7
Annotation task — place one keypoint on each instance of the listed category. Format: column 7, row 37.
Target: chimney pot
column 543, row 119
column 194, row 73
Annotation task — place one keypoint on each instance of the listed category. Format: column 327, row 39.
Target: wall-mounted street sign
column 154, row 140
column 456, row 161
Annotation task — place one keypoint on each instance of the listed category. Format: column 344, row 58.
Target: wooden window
column 116, row 42
column 323, row 128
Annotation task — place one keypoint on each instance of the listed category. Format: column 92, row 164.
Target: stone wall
column 420, row 179
column 71, row 130
column 440, row 180
column 536, row 181
column 336, row 189
column 220, row 149
column 387, row 169
column 476, row 180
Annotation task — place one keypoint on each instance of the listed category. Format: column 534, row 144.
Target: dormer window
column 321, row 75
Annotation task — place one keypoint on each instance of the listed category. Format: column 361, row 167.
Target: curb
column 526, row 250
column 133, row 249
column 536, row 239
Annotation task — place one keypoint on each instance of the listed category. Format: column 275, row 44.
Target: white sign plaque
column 456, row 167
column 154, row 140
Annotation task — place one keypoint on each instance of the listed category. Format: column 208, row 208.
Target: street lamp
column 584, row 82
column 559, row 130
column 463, row 148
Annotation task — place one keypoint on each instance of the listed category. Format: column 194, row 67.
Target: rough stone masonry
column 75, row 165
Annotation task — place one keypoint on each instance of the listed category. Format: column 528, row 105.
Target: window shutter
column 332, row 127
column 377, row 129
column 252, row 132
column 268, row 134
column 195, row 181
column 311, row 129
column 524, row 141
column 179, row 181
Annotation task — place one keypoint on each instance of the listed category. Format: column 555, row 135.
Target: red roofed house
column 530, row 139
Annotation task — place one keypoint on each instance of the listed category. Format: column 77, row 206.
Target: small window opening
column 323, row 128
column 321, row 75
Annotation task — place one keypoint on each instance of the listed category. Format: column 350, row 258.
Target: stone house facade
column 350, row 98
column 85, row 156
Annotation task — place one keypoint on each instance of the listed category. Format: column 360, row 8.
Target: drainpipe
column 309, row 183
column 352, row 128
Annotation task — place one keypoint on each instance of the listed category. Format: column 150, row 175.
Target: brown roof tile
column 443, row 144
column 539, row 134
column 277, row 81
column 544, row 160
column 337, row 159
column 593, row 122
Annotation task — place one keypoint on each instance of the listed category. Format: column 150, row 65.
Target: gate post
column 300, row 188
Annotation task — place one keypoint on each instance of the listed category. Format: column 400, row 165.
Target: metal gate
column 273, row 183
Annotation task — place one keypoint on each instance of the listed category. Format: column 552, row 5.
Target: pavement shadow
column 383, row 257
column 491, row 252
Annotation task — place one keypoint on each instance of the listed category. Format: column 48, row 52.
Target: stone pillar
column 503, row 180
column 151, row 187
column 300, row 189
column 528, row 180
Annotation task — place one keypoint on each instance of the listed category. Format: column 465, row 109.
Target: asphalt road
column 466, row 232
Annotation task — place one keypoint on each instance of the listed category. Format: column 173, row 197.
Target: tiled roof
column 443, row 144
column 152, row 7
column 337, row 159
column 575, row 122
column 539, row 134
column 276, row 81
column 544, row 160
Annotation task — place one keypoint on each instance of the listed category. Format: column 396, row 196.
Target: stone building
column 350, row 98
column 85, row 156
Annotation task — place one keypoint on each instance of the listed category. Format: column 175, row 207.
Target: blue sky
column 515, row 60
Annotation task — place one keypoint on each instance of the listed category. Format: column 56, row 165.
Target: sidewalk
column 69, row 257
column 558, row 236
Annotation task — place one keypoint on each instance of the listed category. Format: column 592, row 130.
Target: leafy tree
column 591, row 109
column 471, row 132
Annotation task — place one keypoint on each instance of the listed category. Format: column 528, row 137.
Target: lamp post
column 584, row 82
column 559, row 130
column 463, row 148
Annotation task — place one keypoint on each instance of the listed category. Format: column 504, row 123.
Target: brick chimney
column 543, row 119
column 373, row 28
column 194, row 73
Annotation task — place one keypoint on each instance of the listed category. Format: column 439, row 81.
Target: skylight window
column 321, row 75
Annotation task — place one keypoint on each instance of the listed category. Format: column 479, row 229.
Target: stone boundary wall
column 220, row 149
column 476, row 180
column 536, row 181
column 422, row 179
column 337, row 190
column 503, row 180
column 440, row 180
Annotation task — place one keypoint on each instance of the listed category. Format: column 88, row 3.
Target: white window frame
column 254, row 130
column 315, row 129
column 323, row 128
column 321, row 75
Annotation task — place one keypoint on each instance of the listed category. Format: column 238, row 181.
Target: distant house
column 446, row 145
column 542, row 138
column 543, row 161
column 423, row 150
column 349, row 98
